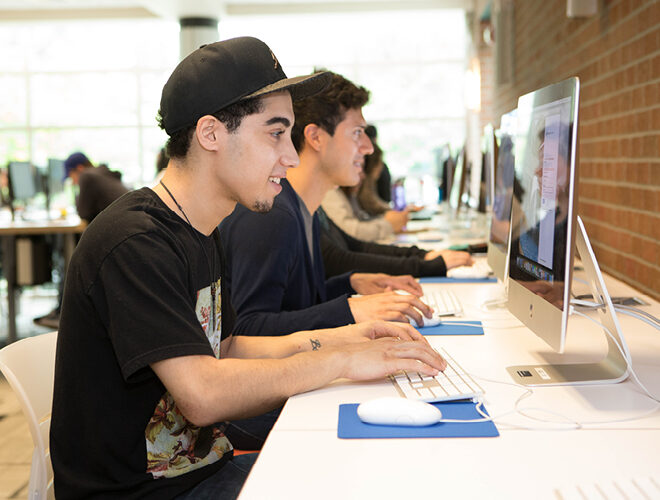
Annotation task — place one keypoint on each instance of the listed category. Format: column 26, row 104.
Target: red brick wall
column 616, row 55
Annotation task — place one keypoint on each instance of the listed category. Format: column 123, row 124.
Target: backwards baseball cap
column 222, row 73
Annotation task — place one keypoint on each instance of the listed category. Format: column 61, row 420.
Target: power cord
column 570, row 424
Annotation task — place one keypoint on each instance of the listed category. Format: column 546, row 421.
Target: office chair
column 29, row 367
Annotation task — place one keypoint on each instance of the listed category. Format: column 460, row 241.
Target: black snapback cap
column 220, row 74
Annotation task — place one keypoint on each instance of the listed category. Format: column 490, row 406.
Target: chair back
column 29, row 367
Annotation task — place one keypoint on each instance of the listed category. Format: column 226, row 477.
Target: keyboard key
column 452, row 384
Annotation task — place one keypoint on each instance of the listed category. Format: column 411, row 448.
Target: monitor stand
column 497, row 304
column 613, row 367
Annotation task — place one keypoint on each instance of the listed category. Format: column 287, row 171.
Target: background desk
column 69, row 227
column 303, row 458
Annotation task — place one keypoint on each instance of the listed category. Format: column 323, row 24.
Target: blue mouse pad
column 351, row 427
column 445, row 279
column 454, row 327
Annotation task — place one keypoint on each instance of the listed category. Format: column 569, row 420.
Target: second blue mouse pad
column 351, row 427
column 454, row 327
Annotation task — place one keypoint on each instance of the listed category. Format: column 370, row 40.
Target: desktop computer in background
column 503, row 194
column 33, row 253
column 488, row 163
column 22, row 177
column 542, row 247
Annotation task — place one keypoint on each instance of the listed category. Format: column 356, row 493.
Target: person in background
column 98, row 187
column 147, row 371
column 340, row 207
column 367, row 192
column 342, row 253
column 384, row 181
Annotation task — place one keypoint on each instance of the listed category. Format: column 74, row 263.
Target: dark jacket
column 341, row 253
column 274, row 286
column 99, row 187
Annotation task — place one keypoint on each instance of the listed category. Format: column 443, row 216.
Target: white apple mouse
column 398, row 411
column 432, row 321
column 435, row 320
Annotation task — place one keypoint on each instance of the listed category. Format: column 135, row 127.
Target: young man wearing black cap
column 147, row 371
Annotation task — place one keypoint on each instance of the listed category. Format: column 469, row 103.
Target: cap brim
column 299, row 86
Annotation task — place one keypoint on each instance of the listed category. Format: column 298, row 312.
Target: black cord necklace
column 209, row 262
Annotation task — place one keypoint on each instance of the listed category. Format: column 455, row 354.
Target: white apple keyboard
column 398, row 411
column 452, row 384
column 478, row 269
column 444, row 303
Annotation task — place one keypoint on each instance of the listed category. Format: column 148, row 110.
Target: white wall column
column 196, row 31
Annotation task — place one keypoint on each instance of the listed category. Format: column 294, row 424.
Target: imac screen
column 541, row 250
column 22, row 180
column 56, row 174
column 504, row 187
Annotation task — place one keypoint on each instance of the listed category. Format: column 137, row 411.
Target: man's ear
column 312, row 134
column 209, row 132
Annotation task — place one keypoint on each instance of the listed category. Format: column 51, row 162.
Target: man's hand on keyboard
column 388, row 306
column 452, row 258
column 384, row 356
column 370, row 283
column 369, row 330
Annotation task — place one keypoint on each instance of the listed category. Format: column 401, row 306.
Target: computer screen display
column 457, row 183
column 489, row 158
column 55, row 176
column 541, row 256
column 503, row 194
column 22, row 180
column 398, row 196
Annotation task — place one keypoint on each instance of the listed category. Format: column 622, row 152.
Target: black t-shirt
column 137, row 291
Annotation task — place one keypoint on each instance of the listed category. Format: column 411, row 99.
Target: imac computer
column 542, row 249
column 23, row 186
column 56, row 174
column 22, row 181
column 458, row 182
column 503, row 193
column 488, row 159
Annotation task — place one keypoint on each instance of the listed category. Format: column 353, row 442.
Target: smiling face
column 259, row 153
column 342, row 154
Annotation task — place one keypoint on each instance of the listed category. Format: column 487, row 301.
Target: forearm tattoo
column 316, row 344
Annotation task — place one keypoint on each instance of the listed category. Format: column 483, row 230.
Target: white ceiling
column 85, row 9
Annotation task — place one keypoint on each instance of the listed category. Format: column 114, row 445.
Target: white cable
column 460, row 323
column 571, row 423
column 640, row 317
column 629, row 310
column 626, row 357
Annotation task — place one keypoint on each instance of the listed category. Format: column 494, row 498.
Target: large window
column 95, row 86
column 413, row 62
column 92, row 86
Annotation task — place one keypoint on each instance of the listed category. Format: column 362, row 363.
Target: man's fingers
column 403, row 331
column 416, row 356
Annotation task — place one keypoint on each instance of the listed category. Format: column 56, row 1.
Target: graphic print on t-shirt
column 203, row 309
column 174, row 445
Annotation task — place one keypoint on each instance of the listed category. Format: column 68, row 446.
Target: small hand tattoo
column 316, row 344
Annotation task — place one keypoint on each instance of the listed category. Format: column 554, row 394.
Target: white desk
column 303, row 458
